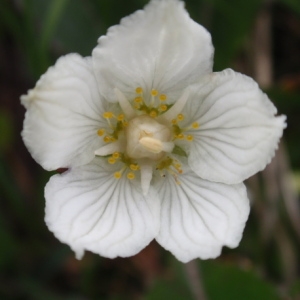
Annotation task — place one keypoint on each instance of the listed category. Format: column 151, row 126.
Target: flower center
column 142, row 137
column 147, row 138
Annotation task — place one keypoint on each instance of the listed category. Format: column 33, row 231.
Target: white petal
column 238, row 132
column 63, row 115
column 159, row 47
column 198, row 217
column 88, row 209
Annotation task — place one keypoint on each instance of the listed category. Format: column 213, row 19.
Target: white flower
column 156, row 145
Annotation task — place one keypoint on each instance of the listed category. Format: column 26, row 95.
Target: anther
column 195, row 125
column 174, row 121
column 111, row 160
column 162, row 97
column 189, row 137
column 180, row 117
column 134, row 167
column 116, row 155
column 108, row 115
column 107, row 139
column 130, row 175
column 154, row 93
column 100, row 132
column 163, row 107
column 153, row 114
column 121, row 117
column 180, row 136
column 117, row 175
column 139, row 90
column 138, row 99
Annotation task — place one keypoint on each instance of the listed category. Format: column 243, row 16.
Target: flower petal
column 159, row 47
column 198, row 217
column 238, row 132
column 63, row 115
column 89, row 209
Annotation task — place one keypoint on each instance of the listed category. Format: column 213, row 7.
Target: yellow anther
column 180, row 117
column 107, row 139
column 189, row 137
column 180, row 136
column 116, row 155
column 139, row 90
column 154, row 93
column 174, row 121
column 162, row 97
column 163, row 107
column 130, row 175
column 111, row 160
column 177, row 166
column 100, row 132
column 108, row 115
column 121, row 117
column 117, row 175
column 153, row 114
column 195, row 125
column 134, row 167
column 137, row 106
column 138, row 99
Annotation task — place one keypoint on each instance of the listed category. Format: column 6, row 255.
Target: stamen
column 162, row 97
column 174, row 121
column 121, row 117
column 189, row 137
column 107, row 139
column 139, row 90
column 138, row 99
column 108, row 115
column 153, row 114
column 195, row 125
column 130, row 175
column 111, row 160
column 100, row 132
column 180, row 117
column 163, row 107
column 117, row 175
column 116, row 155
column 134, row 167
column 154, row 93
column 125, row 105
column 180, row 136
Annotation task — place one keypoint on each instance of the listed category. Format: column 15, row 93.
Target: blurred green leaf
column 226, row 282
column 175, row 288
column 231, row 23
column 294, row 5
column 54, row 13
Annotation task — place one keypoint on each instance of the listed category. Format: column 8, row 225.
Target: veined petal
column 238, row 132
column 63, row 115
column 89, row 209
column 198, row 217
column 165, row 50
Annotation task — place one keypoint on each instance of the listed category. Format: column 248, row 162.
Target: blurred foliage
column 34, row 265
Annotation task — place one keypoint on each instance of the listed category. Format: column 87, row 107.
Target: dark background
column 258, row 38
